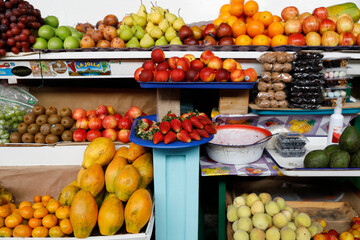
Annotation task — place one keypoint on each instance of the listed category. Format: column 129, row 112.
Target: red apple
column 209, row 41
column 196, row 64
column 123, row 136
column 146, row 76
column 183, row 63
column 172, row 62
column 92, row 134
column 222, row 75
column 320, row 13
column 310, row 24
column 333, row 232
column 117, row 116
column 90, row 112
column 347, row 39
column 229, row 64
column 332, row 237
column 82, row 123
column 296, row 39
column 157, row 55
column 303, row 16
column 289, row 13
column 78, row 113
column 137, row 73
column 237, row 75
column 358, row 40
column 101, row 109
column 164, row 66
column 207, row 74
column 330, row 38
column 111, row 110
column 293, row 26
column 134, row 112
column 356, row 29
column 313, row 39
column 109, row 121
column 192, row 75
column 205, row 56
column 190, row 57
column 79, row 135
column 344, row 24
column 110, row 134
column 101, row 116
column 177, row 75
column 250, row 75
column 209, row 29
column 125, row 123
column 162, row 76
column 149, row 65
column 95, row 123
column 215, row 63
column 327, row 25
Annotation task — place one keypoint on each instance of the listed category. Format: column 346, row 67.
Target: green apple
column 63, row 32
column 55, row 43
column 71, row 42
column 52, row 21
column 40, row 43
column 46, row 32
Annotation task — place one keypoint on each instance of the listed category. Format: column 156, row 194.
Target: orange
column 266, row 18
column 275, row 28
column 25, row 203
column 218, row 21
column 65, row 226
column 249, row 19
column 12, row 206
column 255, row 28
column 250, row 8
column 38, row 205
column 2, row 222
column 238, row 28
column 237, row 1
column 13, row 220
column 225, row 8
column 40, row 212
column 55, row 232
column 6, row 232
column 243, row 40
column 224, row 15
column 236, row 9
column 34, row 222
column 62, row 212
column 49, row 221
column 45, row 198
column 26, row 212
column 261, row 39
column 37, row 198
column 279, row 40
column 256, row 15
column 40, row 232
column 53, row 205
column 276, row 18
column 5, row 211
column 22, row 231
column 230, row 20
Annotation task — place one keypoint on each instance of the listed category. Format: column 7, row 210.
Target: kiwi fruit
column 54, row 118
column 41, row 119
column 39, row 138
column 15, row 137
column 22, row 127
column 51, row 138
column 38, row 110
column 27, row 138
column 33, row 128
column 65, row 112
column 45, row 129
column 66, row 135
column 73, row 128
column 67, row 122
column 29, row 118
column 51, row 110
column 57, row 129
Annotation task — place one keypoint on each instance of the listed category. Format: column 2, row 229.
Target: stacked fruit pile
column 10, row 117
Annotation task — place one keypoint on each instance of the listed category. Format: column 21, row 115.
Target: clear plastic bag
column 17, row 93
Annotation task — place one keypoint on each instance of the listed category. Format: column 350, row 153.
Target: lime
column 52, row 21
column 55, row 43
column 40, row 43
column 71, row 43
column 78, row 35
column 62, row 32
column 46, row 32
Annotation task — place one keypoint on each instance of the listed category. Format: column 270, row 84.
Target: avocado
column 316, row 159
column 355, row 160
column 339, row 159
column 350, row 140
column 332, row 148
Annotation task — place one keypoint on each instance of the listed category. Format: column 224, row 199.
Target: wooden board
column 234, row 101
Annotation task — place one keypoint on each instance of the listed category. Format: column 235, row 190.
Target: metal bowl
column 235, row 144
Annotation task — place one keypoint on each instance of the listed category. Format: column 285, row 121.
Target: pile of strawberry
column 189, row 126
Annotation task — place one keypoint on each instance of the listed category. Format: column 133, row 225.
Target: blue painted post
column 176, row 187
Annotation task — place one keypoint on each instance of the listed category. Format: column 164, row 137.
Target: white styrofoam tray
column 295, row 166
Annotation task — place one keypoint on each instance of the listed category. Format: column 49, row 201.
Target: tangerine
column 243, row 40
column 34, row 222
column 261, row 39
column 65, row 226
column 225, row 8
column 266, row 18
column 26, row 212
column 230, row 20
column 49, row 221
column 5, row 232
column 224, row 15
column 22, row 231
column 255, row 16
column 55, row 232
column 5, row 211
column 275, row 28
column 40, row 212
column 53, row 205
column 279, row 40
column 45, row 198
column 250, row 8
column 13, row 220
column 1, row 222
column 238, row 28
column 40, row 232
column 236, row 9
column 37, row 198
column 63, row 212
column 218, row 21
column 276, row 18
column 12, row 206
column 25, row 203
column 255, row 28
column 237, row 1
column 38, row 205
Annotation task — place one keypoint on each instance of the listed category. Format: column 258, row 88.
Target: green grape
column 15, row 125
column 23, row 112
column 2, row 141
column 7, row 116
column 18, row 113
column 14, row 118
column 16, row 107
column 9, row 123
column 20, row 118
column 2, row 122
column 2, row 132
column 7, row 141
column 5, row 136
column 2, row 115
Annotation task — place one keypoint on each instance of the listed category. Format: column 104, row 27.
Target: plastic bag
column 17, row 93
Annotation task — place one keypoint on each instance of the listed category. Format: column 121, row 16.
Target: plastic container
column 290, row 153
column 334, row 73
column 291, row 141
column 334, row 63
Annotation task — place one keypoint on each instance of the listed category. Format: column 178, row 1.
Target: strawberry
column 171, row 115
column 210, row 129
column 169, row 137
column 196, row 123
column 187, row 125
column 175, row 125
column 188, row 114
column 158, row 137
column 195, row 135
column 183, row 136
column 164, row 127
column 147, row 123
column 203, row 133
column 205, row 118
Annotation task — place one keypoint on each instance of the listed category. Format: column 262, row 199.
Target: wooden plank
column 168, row 99
column 234, row 101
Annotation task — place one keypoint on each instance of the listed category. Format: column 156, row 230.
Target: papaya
column 67, row 194
column 349, row 8
column 73, row 183
column 83, row 214
column 93, row 179
column 111, row 216
column 316, row 159
column 144, row 164
column 122, row 152
column 350, row 140
column 101, row 150
column 339, row 159
column 112, row 170
column 138, row 210
column 126, row 182
column 80, row 173
column 332, row 148
column 135, row 151
column 99, row 197
column 355, row 160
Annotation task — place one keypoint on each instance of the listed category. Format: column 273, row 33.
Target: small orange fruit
column 238, row 28
column 279, row 40
column 250, row 8
column 40, row 212
column 49, row 220
column 236, row 9
column 243, row 40
column 37, row 198
column 275, row 28
column 237, row 1
column 2, row 220
column 22, row 231
column 53, row 205
column 25, row 203
column 5, row 211
column 63, row 212
column 255, row 16
column 230, row 20
column 55, row 232
column 6, row 232
column 34, row 222
column 40, row 232
column 276, row 18
column 218, row 21
column 45, row 198
column 224, row 15
column 266, row 18
column 13, row 220
column 26, row 212
column 261, row 39
column 65, row 226
column 255, row 28
column 12, row 206
column 225, row 8
column 38, row 205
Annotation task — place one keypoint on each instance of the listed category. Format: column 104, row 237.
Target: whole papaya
column 144, row 164
column 111, row 215
column 126, row 182
column 101, row 150
column 112, row 170
column 93, row 179
column 67, row 195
